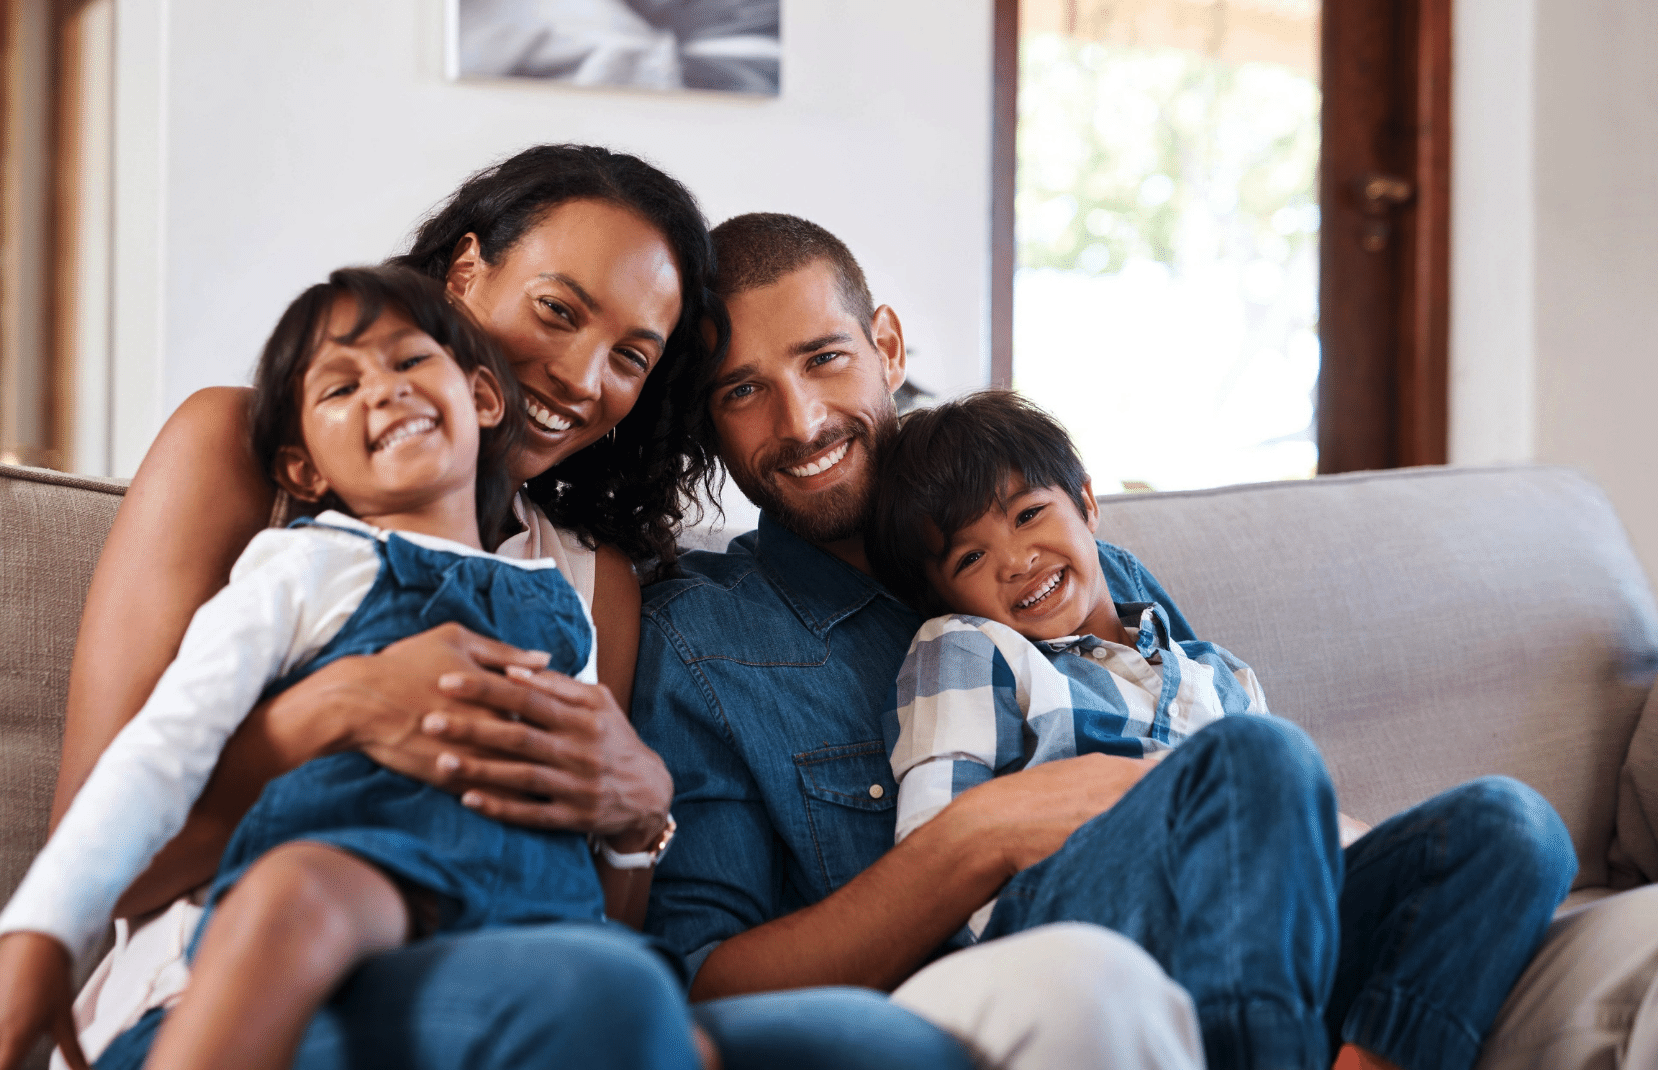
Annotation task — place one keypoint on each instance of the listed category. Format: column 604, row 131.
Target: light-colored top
column 290, row 592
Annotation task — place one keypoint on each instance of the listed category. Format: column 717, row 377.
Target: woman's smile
column 582, row 305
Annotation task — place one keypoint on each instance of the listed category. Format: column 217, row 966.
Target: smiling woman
column 589, row 278
column 589, row 269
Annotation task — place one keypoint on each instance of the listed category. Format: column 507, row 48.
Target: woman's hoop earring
column 611, row 435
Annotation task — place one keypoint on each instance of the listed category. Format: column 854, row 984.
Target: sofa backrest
column 1425, row 625
column 51, row 529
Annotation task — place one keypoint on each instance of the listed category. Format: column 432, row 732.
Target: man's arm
column 714, row 898
column 880, row 927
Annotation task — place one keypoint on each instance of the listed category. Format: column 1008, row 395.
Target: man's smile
column 822, row 463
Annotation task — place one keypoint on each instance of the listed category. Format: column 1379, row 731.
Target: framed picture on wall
column 731, row 46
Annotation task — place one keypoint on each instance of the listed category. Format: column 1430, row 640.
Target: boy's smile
column 1030, row 562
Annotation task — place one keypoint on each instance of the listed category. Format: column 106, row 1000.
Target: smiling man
column 763, row 675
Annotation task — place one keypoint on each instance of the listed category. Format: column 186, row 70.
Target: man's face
column 803, row 399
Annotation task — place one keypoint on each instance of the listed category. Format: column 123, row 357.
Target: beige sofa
column 1426, row 626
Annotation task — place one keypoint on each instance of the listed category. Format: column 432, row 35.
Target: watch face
column 667, row 838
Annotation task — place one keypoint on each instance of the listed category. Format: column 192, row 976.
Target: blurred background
column 1224, row 240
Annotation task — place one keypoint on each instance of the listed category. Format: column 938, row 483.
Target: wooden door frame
column 1386, row 417
column 1384, row 270
column 52, row 399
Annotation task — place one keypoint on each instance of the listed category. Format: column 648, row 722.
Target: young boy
column 1223, row 862
column 1035, row 659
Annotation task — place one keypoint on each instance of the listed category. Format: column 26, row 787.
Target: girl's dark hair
column 631, row 489
column 943, row 469
column 299, row 334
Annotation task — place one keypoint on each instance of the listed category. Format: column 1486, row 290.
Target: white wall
column 1493, row 209
column 263, row 143
column 1555, row 244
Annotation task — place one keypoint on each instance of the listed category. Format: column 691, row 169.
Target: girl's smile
column 390, row 426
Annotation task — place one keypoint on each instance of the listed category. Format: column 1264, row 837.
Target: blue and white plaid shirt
column 975, row 699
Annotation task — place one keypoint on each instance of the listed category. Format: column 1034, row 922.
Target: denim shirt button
column 876, row 791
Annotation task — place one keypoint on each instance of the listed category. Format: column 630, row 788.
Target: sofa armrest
column 1633, row 857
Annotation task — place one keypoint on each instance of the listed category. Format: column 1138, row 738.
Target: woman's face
column 582, row 306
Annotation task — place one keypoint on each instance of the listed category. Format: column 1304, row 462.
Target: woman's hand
column 35, row 998
column 377, row 702
column 566, row 759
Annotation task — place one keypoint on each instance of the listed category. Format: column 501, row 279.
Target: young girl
column 379, row 402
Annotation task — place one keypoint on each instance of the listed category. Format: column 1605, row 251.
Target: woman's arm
column 196, row 501
column 616, row 620
column 426, row 707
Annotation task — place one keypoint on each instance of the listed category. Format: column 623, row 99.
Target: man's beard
column 841, row 511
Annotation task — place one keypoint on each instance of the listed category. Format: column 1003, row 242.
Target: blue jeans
column 1224, row 863
column 571, row 995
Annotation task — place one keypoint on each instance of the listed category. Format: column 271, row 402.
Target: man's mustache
column 793, row 456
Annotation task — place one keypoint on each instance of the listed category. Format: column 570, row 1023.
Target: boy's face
column 390, row 422
column 1030, row 562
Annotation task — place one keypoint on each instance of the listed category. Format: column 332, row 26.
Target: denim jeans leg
column 826, row 1029
column 498, row 999
column 1224, row 864
column 1443, row 907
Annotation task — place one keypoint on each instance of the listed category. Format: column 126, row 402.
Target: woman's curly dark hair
column 631, row 489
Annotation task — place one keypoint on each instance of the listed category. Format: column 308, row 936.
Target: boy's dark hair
column 945, row 467
column 759, row 248
column 628, row 489
column 299, row 334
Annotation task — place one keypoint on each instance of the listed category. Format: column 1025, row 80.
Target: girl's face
column 389, row 421
column 582, row 306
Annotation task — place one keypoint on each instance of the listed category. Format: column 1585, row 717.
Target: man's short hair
column 945, row 467
column 757, row 249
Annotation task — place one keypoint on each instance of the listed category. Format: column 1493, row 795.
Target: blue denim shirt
column 762, row 678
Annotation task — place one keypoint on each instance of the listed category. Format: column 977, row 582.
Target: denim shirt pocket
column 850, row 800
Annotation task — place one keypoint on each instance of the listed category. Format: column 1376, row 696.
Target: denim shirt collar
column 822, row 589
column 1151, row 620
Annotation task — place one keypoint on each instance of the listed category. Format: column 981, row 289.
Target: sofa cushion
column 1425, row 625
column 51, row 529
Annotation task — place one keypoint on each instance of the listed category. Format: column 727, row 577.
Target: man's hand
column 35, row 998
column 1029, row 814
column 565, row 757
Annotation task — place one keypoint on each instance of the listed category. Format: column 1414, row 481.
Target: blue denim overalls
column 484, row 873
